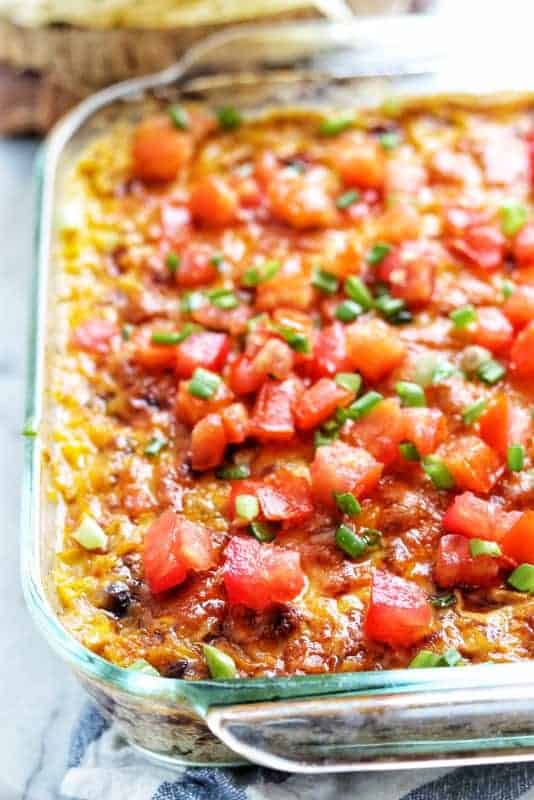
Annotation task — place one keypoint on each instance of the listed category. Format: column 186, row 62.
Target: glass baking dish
column 335, row 722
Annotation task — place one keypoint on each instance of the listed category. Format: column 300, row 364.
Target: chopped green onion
column 155, row 445
column 247, row 506
column 348, row 311
column 358, row 291
column 221, row 666
column 482, row 547
column 172, row 262
column 409, row 451
column 430, row 370
column 229, row 118
column 223, row 298
column 462, row 317
column 349, row 541
column 297, row 341
column 389, row 140
column 321, row 438
column 507, row 288
column 473, row 357
column 362, row 406
column 513, row 217
column 424, row 659
column 347, row 503
column 260, row 273
column 204, row 383
column 442, row 371
column 516, row 457
column 262, row 531
column 217, row 260
column 126, row 331
column 438, row 472
column 332, row 126
column 172, row 337
column 401, row 317
column 377, row 253
column 350, row 381
column 347, row 199
column 522, row 578
column 233, row 472
column 191, row 301
column 143, row 666
column 389, row 306
column 179, row 117
column 474, row 411
column 443, row 600
column 491, row 372
column 325, row 281
column 90, row 535
column 411, row 394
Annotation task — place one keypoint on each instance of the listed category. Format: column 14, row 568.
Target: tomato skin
column 380, row 432
column 304, row 201
column 159, row 150
column 236, row 423
column 196, row 267
column 190, row 409
column 172, row 547
column 518, row 543
column 330, row 352
column 504, row 423
column 203, row 349
column 275, row 360
column 523, row 246
column 399, row 613
column 492, row 330
column 258, row 575
column 341, row 468
column 319, row 402
column 208, row 443
column 95, row 336
column 285, row 497
column 474, row 518
column 234, row 320
column 483, row 245
column 522, row 352
column 272, row 418
column 455, row 566
column 374, row 349
column 519, row 308
column 410, row 272
column 213, row 202
column 359, row 162
column 473, row 465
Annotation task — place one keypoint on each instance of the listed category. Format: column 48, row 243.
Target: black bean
column 177, row 669
column 118, row 598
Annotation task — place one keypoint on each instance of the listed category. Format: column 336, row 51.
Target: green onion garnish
column 358, row 291
column 172, row 262
column 223, row 298
column 482, row 547
column 347, row 199
column 389, row 306
column 90, row 535
column 474, row 411
column 260, row 273
column 348, row 311
column 522, row 578
column 516, row 457
column 424, row 659
column 126, row 331
column 204, row 383
column 325, row 281
column 233, row 472
column 438, row 472
column 143, row 666
column 377, row 253
column 491, row 372
column 411, row 394
column 430, row 370
column 321, row 438
column 347, row 503
column 247, row 506
column 389, row 140
column 513, row 217
column 353, row 544
column 443, row 600
column 262, row 531
column 221, row 666
column 217, row 260
column 362, row 406
column 350, row 381
column 409, row 451
column 191, row 301
column 297, row 341
column 179, row 117
column 332, row 126
column 155, row 445
column 507, row 288
column 171, row 337
column 229, row 118
column 462, row 317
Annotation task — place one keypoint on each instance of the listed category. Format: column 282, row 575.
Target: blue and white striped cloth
column 102, row 766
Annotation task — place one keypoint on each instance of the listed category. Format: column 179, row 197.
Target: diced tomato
column 473, row 465
column 330, row 351
column 519, row 308
column 380, row 431
column 173, row 546
column 191, row 409
column 203, row 349
column 341, row 468
column 236, row 423
column 154, row 356
column 426, row 428
column 243, row 377
column 519, row 541
column 94, row 336
column 475, row 518
column 274, row 360
column 399, row 612
column 233, row 320
column 304, row 200
column 522, row 352
column 213, row 202
column 159, row 150
column 400, row 222
column 296, row 322
column 359, row 161
column 285, row 497
column 448, row 166
column 196, row 267
column 291, row 287
column 208, row 442
column 258, row 575
column 374, row 349
column 455, row 566
column 319, row 402
column 523, row 246
column 410, row 271
column 504, row 423
column 492, row 330
column 404, row 176
column 272, row 418
column 482, row 245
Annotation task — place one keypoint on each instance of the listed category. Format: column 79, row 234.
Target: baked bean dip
column 293, row 388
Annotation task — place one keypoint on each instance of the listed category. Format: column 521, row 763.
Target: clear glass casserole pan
column 336, row 722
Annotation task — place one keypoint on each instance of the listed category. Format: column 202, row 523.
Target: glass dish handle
column 381, row 731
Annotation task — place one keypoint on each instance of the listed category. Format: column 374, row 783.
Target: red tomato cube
column 492, row 330
column 426, row 428
column 519, row 308
column 518, row 543
column 191, row 409
column 409, row 270
column 374, row 349
column 173, row 546
column 341, row 468
column 399, row 613
column 475, row 518
column 330, row 352
column 504, row 423
column 273, row 418
column 473, row 465
column 359, row 161
column 159, row 150
column 455, row 566
column 523, row 246
column 208, row 443
column 319, row 402
column 522, row 352
column 213, row 202
column 304, row 200
column 236, row 423
column 95, row 336
column 285, row 497
column 204, row 349
column 380, row 431
column 196, row 267
column 482, row 245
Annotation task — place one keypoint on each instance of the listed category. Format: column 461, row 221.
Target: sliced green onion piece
column 155, row 446
column 347, row 199
column 424, row 659
column 191, row 301
column 362, row 406
column 172, row 262
column 90, row 535
column 143, row 666
column 389, row 140
column 401, row 317
column 513, row 217
column 221, row 666
column 349, row 541
column 482, row 547
column 516, row 457
column 350, row 381
column 522, row 578
column 462, row 317
column 204, row 383
column 217, row 260
column 473, row 357
column 377, row 253
column 332, row 126
column 229, row 118
column 233, row 472
column 443, row 600
column 358, row 291
column 442, row 371
column 325, row 281
column 321, row 438
column 260, row 273
column 223, row 298
column 348, row 311
column 409, row 451
column 507, row 288
column 247, row 506
column 262, row 531
column 411, row 394
column 491, row 372
column 347, row 503
column 297, row 341
column 126, row 331
column 390, row 306
column 438, row 472
column 430, row 370
column 179, row 117
column 474, row 411
column 166, row 337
